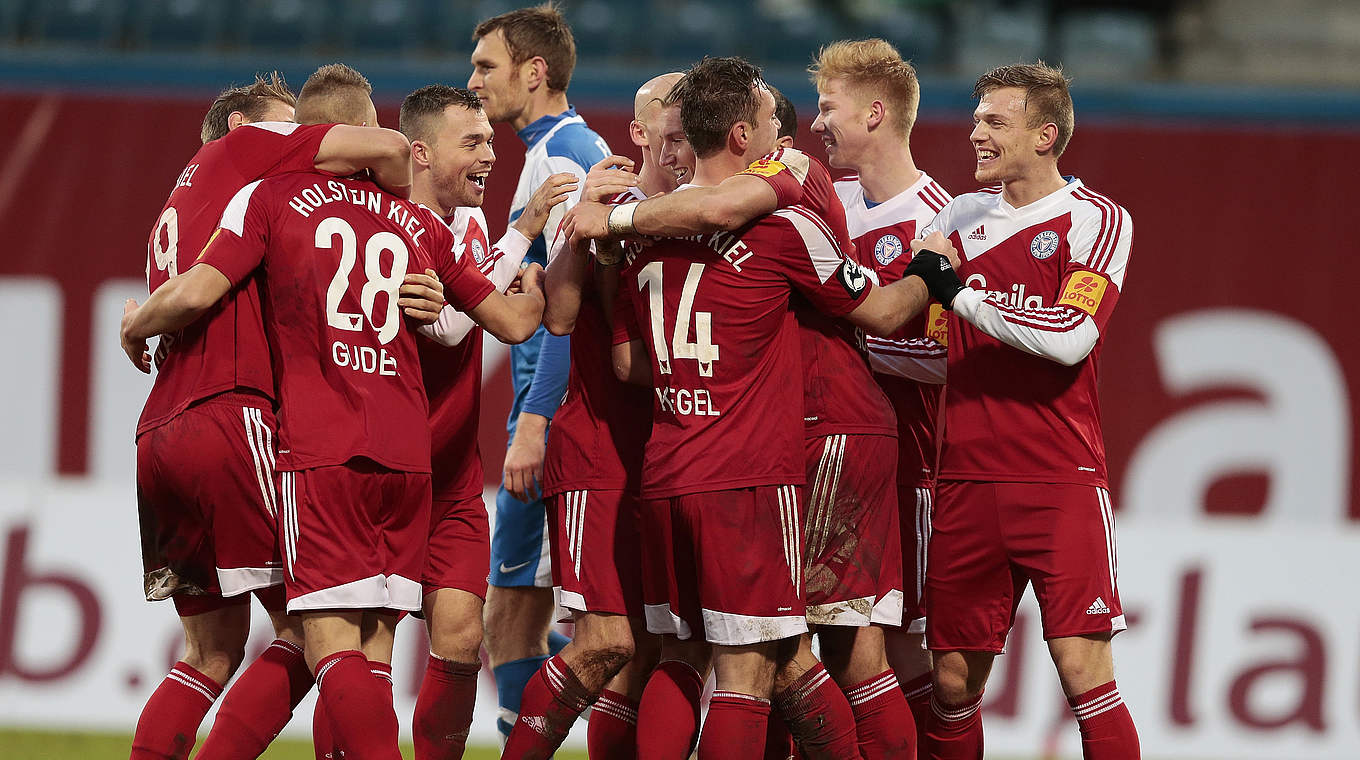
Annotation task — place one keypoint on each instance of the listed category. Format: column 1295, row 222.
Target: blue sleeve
column 550, row 376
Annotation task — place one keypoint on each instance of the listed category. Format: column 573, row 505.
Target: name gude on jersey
column 357, row 358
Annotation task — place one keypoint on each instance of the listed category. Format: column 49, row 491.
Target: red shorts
column 853, row 558
column 913, row 509
column 459, row 547
column 989, row 540
column 724, row 564
column 597, row 560
column 206, row 502
column 354, row 536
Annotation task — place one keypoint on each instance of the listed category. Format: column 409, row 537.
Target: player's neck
column 1032, row 186
column 652, row 179
column 422, row 192
column 718, row 167
column 887, row 172
column 543, row 102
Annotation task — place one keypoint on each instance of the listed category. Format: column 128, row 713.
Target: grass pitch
column 52, row 745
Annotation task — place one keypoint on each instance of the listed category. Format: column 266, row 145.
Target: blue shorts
column 520, row 555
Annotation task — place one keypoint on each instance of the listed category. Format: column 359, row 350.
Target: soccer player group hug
column 811, row 438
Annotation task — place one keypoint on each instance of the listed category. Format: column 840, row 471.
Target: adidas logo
column 1098, row 608
column 978, row 234
column 540, row 724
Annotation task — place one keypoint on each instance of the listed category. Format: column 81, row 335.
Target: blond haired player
column 866, row 107
column 1043, row 264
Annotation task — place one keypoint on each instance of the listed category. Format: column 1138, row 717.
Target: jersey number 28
column 334, row 227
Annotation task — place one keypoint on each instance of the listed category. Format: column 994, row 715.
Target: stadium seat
column 993, row 33
column 285, row 25
column 97, row 22
column 1107, row 44
column 177, row 24
column 373, row 26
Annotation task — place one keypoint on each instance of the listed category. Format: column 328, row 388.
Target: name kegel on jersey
column 686, row 401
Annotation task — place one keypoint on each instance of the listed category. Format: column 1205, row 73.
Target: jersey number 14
column 702, row 347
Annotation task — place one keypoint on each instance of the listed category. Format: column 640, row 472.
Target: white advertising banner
column 1244, row 640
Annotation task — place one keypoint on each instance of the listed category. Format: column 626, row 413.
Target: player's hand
column 553, row 191
column 524, row 462
column 135, row 348
column 530, row 280
column 937, row 242
column 588, row 220
column 422, row 296
column 609, row 177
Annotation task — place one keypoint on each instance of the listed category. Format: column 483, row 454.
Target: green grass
column 54, row 745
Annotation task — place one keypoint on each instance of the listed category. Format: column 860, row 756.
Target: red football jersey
column 453, row 380
column 596, row 438
column 1041, row 271
column 714, row 312
column 839, row 393
column 883, row 236
column 225, row 349
column 334, row 253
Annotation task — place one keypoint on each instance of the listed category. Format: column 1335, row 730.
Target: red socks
column 359, row 705
column 259, row 704
column 883, row 721
column 444, row 708
column 612, row 733
column 1107, row 731
column 668, row 715
column 735, row 726
column 778, row 741
column 917, row 692
column 954, row 731
column 169, row 721
column 818, row 716
column 551, row 702
column 323, row 744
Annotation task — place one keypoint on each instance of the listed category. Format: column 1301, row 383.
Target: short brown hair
column 715, row 94
column 539, row 31
column 420, row 108
column 251, row 100
column 783, row 110
column 334, row 94
column 1047, row 99
column 875, row 69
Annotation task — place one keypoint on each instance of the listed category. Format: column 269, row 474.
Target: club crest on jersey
column 1044, row 244
column 478, row 252
column 886, row 249
column 852, row 277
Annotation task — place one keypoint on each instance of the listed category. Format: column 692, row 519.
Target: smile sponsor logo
column 1044, row 244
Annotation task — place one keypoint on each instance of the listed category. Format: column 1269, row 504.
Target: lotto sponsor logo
column 978, row 234
column 366, row 359
column 937, row 324
column 1084, row 291
column 765, row 168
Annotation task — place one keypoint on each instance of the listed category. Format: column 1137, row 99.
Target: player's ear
column 877, row 113
column 535, row 72
column 1046, row 139
column 236, row 119
column 739, row 136
column 638, row 132
column 420, row 152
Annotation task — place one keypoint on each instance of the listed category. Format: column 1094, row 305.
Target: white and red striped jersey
column 451, row 360
column 910, row 364
column 1025, row 336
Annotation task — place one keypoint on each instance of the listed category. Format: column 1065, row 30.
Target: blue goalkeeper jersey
column 561, row 143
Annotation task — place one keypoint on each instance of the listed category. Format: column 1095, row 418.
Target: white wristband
column 620, row 220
